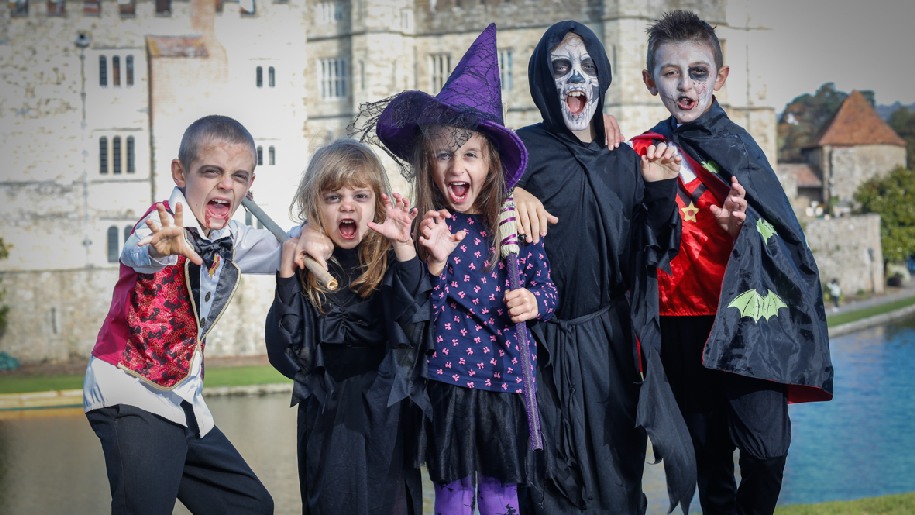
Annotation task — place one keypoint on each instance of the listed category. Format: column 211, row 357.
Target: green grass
column 885, row 505
column 859, row 314
column 28, row 384
column 215, row 376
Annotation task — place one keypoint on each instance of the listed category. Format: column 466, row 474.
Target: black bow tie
column 209, row 249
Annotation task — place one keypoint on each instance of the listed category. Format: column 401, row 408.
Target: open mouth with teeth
column 348, row 229
column 686, row 103
column 576, row 102
column 457, row 192
column 218, row 212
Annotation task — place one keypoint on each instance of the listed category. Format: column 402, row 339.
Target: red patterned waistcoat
column 152, row 326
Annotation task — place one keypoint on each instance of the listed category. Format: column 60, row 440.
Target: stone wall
column 848, row 248
column 55, row 315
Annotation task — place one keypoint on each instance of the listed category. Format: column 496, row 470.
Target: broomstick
column 320, row 273
column 510, row 251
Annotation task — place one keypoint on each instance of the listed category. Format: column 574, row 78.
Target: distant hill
column 886, row 110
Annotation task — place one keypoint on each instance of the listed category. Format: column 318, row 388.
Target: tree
column 893, row 198
column 902, row 121
column 804, row 118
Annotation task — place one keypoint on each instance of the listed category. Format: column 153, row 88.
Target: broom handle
column 320, row 272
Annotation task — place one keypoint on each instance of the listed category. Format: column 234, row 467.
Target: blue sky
column 863, row 44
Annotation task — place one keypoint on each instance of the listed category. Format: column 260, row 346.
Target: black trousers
column 725, row 412
column 152, row 462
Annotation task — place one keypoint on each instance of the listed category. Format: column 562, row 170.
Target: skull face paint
column 576, row 81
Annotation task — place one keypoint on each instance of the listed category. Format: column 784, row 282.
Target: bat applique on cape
column 753, row 305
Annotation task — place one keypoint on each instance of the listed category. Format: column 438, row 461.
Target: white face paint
column 576, row 82
column 685, row 77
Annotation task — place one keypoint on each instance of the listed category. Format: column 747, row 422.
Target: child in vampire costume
column 742, row 317
column 600, row 385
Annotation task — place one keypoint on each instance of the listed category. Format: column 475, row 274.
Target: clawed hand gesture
column 397, row 225
column 733, row 211
column 168, row 238
column 660, row 162
column 437, row 239
column 398, row 219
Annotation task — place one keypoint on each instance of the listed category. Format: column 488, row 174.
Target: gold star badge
column 689, row 212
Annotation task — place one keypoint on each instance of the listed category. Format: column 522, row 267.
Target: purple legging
column 494, row 496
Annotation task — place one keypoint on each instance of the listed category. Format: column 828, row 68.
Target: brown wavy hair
column 344, row 163
column 429, row 197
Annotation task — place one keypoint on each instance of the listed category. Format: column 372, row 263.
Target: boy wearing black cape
column 742, row 317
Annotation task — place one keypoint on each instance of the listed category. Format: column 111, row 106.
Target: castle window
column 271, row 153
column 19, row 8
column 505, row 69
column 103, row 155
column 260, row 155
column 332, row 76
column 127, row 7
column 128, row 62
column 271, row 77
column 259, row 76
column 57, row 7
column 164, row 7
column 116, row 70
column 102, row 70
column 92, row 7
column 113, row 246
column 131, row 155
column 116, row 154
column 440, row 67
column 330, row 11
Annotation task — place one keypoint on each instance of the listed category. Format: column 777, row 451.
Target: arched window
column 103, row 155
column 131, row 157
column 116, row 154
column 113, row 245
column 116, row 70
column 259, row 74
column 128, row 63
column 271, row 77
column 127, row 230
column 271, row 154
column 260, row 155
column 102, row 70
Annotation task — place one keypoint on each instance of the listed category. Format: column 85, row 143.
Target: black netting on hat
column 471, row 100
column 405, row 124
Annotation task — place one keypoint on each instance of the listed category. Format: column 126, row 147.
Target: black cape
column 354, row 366
column 771, row 323
column 614, row 231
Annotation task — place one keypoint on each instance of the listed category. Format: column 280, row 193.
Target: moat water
column 861, row 444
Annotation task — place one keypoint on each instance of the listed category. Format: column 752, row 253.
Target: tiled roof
column 176, row 46
column 857, row 123
column 803, row 174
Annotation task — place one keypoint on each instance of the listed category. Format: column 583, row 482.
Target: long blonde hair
column 344, row 163
column 488, row 202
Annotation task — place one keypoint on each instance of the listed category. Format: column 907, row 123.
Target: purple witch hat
column 471, row 99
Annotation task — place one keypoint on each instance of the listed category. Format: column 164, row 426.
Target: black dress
column 354, row 366
column 614, row 230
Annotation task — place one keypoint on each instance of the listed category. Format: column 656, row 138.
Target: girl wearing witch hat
column 465, row 163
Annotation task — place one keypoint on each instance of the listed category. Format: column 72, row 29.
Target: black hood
column 543, row 87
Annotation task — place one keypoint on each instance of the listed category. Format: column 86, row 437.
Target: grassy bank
column 215, row 376
column 903, row 504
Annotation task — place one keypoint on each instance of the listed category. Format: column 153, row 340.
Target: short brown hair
column 678, row 26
